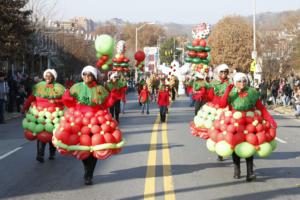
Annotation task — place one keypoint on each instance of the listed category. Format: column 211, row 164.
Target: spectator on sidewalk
column 263, row 89
column 3, row 96
column 274, row 91
column 286, row 94
column 20, row 98
column 296, row 101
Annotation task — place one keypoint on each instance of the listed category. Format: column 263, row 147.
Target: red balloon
column 202, row 42
column 109, row 138
column 73, row 139
column 85, row 130
column 140, row 56
column 95, row 129
column 229, row 138
column 272, row 133
column 105, row 58
column 44, row 137
column 82, row 155
column 238, row 138
column 97, row 139
column 117, row 135
column 252, row 139
column 261, row 137
column 85, row 140
column 28, row 135
column 75, row 129
column 102, row 154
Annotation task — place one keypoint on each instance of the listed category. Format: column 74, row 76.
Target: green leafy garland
column 89, row 96
column 243, row 102
column 41, row 89
column 197, row 85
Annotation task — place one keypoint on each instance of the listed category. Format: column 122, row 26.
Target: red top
column 144, row 95
column 163, row 98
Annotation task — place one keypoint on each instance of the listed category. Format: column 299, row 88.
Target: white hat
column 114, row 75
column 199, row 75
column 51, row 71
column 240, row 76
column 222, row 67
column 90, row 69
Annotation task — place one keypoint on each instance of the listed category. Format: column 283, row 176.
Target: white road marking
column 9, row 153
column 280, row 140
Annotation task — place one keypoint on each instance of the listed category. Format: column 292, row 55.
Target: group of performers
column 76, row 121
column 83, row 121
column 230, row 112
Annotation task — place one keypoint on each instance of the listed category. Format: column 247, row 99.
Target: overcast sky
column 179, row 11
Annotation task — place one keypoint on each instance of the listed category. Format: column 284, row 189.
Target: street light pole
column 254, row 25
column 136, row 33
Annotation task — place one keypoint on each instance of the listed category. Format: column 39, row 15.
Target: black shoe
column 40, row 159
column 51, row 158
column 250, row 178
column 220, row 158
column 88, row 181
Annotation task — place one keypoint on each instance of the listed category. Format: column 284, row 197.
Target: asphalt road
column 158, row 162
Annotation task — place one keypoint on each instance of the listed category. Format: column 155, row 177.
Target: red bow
column 243, row 94
column 93, row 84
column 49, row 86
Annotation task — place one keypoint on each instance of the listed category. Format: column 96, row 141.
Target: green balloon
column 210, row 144
column 209, row 57
column 41, row 120
column 31, row 126
column 223, row 149
column 48, row 120
column 61, row 113
column 188, row 59
column 25, row 123
column 49, row 127
column 124, row 64
column 56, row 120
column 41, row 114
column 273, row 143
column 199, row 48
column 104, row 44
column 204, row 61
column 207, row 49
column 98, row 55
column 244, row 150
column 190, row 47
column 39, row 128
column 196, row 60
column 105, row 67
column 265, row 150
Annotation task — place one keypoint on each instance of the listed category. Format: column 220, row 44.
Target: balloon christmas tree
column 198, row 51
column 140, row 56
column 104, row 45
column 120, row 62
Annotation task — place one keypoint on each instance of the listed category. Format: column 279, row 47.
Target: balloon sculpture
column 198, row 52
column 120, row 62
column 244, row 132
column 104, row 45
column 140, row 56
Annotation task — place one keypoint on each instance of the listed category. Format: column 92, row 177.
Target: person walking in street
column 3, row 96
column 89, row 131
column 163, row 102
column 246, row 99
column 144, row 99
column 116, row 84
column 43, row 110
column 199, row 91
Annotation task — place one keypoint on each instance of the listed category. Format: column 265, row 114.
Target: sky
column 163, row 11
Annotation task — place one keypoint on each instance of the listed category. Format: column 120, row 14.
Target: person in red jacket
column 163, row 102
column 144, row 99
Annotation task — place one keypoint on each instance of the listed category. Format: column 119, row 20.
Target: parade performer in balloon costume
column 119, row 85
column 199, row 91
column 245, row 129
column 88, row 130
column 44, row 110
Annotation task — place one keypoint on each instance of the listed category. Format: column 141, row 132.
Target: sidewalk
column 286, row 110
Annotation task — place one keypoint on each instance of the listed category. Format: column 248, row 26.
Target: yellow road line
column 149, row 190
column 167, row 173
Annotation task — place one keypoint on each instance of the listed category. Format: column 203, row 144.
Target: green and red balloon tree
column 140, row 56
column 104, row 45
column 120, row 61
column 198, row 51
